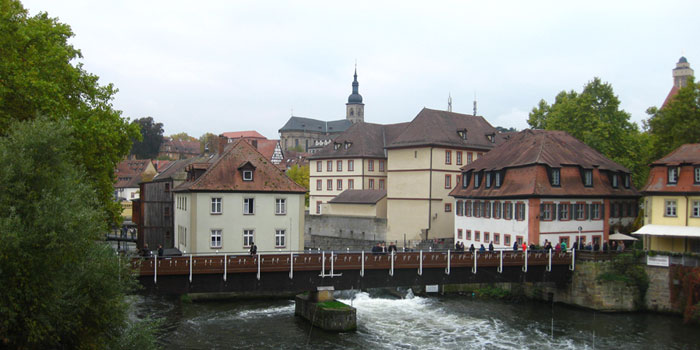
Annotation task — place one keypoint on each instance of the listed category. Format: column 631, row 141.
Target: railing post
column 323, row 264
column 447, row 271
column 420, row 265
column 391, row 272
column 258, row 267
column 549, row 266
column 362, row 271
column 474, row 268
column 155, row 269
column 225, row 264
column 332, row 264
column 525, row 266
column 500, row 265
column 573, row 260
column 291, row 265
column 190, row 268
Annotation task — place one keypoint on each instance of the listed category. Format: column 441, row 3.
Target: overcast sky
column 217, row 66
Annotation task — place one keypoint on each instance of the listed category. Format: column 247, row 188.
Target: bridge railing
column 328, row 263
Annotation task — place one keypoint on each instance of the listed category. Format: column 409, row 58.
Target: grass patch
column 332, row 304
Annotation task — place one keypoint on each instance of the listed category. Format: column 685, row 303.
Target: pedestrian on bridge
column 253, row 248
column 472, row 249
column 563, row 246
column 515, row 246
column 491, row 246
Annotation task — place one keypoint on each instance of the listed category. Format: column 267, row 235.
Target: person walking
column 563, row 246
column 491, row 246
column 515, row 246
column 160, row 250
column 482, row 249
column 524, row 246
column 253, row 248
column 471, row 248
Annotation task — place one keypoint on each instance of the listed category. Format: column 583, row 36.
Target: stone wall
column 658, row 296
column 339, row 232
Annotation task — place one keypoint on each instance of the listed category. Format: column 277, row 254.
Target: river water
column 387, row 322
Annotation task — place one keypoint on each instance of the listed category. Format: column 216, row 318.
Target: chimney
column 223, row 140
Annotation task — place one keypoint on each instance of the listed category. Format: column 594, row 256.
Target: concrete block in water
column 330, row 315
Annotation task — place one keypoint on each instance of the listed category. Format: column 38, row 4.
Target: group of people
column 459, row 247
column 147, row 253
column 381, row 248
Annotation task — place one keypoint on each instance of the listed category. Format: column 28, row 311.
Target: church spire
column 355, row 109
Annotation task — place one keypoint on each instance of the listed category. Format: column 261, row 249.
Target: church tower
column 355, row 109
column 681, row 73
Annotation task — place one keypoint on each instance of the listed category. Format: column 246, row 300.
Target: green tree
column 152, row 137
column 594, row 117
column 182, row 137
column 300, row 175
column 208, row 141
column 40, row 76
column 677, row 123
column 61, row 287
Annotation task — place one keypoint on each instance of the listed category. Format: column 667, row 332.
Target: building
column 312, row 135
column 129, row 173
column 178, row 149
column 358, row 203
column 681, row 74
column 355, row 160
column 423, row 167
column 672, row 202
column 235, row 200
column 271, row 149
column 542, row 185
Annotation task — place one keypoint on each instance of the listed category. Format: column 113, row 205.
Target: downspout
column 687, row 213
column 430, row 195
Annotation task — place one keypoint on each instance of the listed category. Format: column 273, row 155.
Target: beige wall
column 324, row 195
column 654, row 213
column 365, row 210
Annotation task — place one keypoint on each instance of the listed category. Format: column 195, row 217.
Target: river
column 387, row 322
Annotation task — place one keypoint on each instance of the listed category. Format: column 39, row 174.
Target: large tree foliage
column 677, row 123
column 39, row 76
column 208, row 142
column 182, row 136
column 300, row 175
column 594, row 117
column 61, row 288
column 152, row 134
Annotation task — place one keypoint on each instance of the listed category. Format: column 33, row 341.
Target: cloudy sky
column 217, row 66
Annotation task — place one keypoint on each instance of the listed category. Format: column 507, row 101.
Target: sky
column 218, row 66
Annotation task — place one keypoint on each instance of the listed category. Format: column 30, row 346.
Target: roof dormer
column 247, row 170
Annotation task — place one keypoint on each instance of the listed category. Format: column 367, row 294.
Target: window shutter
column 587, row 208
column 558, row 206
column 602, row 211
column 541, row 211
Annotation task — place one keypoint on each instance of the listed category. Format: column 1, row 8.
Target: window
column 280, row 241
column 506, row 240
column 462, row 134
column 477, row 209
column 351, row 184
column 615, row 181
column 448, row 207
column 381, row 184
column 247, row 175
column 508, row 211
column 487, row 237
column 696, row 209
column 468, row 208
column 459, row 233
column 329, row 166
column 216, row 205
column 497, row 210
column 477, row 180
column 465, row 180
column 167, row 187
column 488, row 180
column 448, row 181
column 249, row 206
column 672, row 175
column 564, row 211
column 248, row 237
column 339, row 165
column 381, row 165
column 319, row 166
column 546, row 211
column 588, row 177
column 448, row 157
column 477, row 236
column 615, row 210
column 696, row 175
column 580, row 211
column 595, row 211
column 459, row 157
column 520, row 211
column 370, row 165
column 329, row 185
column 339, row 185
column 519, row 239
column 468, row 235
column 351, row 165
column 556, row 177
column 498, row 179
column 319, row 185
column 318, row 207
column 371, row 184
column 670, row 208
column 281, row 206
column 627, row 180
column 487, row 209
column 497, row 238
column 470, row 157
column 459, row 208
column 215, row 239
column 565, row 240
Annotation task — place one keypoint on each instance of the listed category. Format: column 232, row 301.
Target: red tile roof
column 179, row 146
column 362, row 140
column 128, row 172
column 267, row 147
column 686, row 158
column 224, row 176
column 243, row 134
column 670, row 96
column 685, row 154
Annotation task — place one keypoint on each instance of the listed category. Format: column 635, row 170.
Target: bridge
column 306, row 271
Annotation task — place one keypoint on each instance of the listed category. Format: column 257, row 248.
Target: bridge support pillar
column 323, row 311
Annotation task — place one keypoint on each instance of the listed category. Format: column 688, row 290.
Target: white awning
column 669, row 231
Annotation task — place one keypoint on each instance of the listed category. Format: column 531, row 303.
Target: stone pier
column 323, row 311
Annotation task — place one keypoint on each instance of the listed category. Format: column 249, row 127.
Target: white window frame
column 216, row 205
column 696, row 173
column 248, row 237
column 351, row 184
column 498, row 179
column 249, row 206
column 673, row 175
column 351, row 165
column 247, row 175
column 670, row 208
column 556, row 177
column 280, row 206
column 339, row 166
column 339, row 185
column 588, row 177
column 280, row 238
column 696, row 209
column 216, row 236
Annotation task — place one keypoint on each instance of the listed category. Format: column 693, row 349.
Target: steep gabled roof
column 361, row 140
column 685, row 154
column 224, row 176
column 440, row 128
column 176, row 166
column 315, row 125
column 243, row 134
column 359, row 197
column 128, row 172
column 547, row 147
